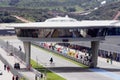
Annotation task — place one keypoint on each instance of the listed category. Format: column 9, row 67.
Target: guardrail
column 13, row 51
column 83, row 61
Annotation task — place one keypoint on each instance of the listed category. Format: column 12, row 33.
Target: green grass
column 78, row 8
column 49, row 74
column 23, row 78
column 56, row 54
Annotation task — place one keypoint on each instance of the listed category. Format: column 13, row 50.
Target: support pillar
column 27, row 48
column 94, row 53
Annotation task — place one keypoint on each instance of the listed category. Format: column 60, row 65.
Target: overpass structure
column 64, row 30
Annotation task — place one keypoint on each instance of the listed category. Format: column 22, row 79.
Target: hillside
column 63, row 5
column 107, row 12
column 37, row 15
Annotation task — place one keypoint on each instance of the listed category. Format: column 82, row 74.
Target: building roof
column 61, row 19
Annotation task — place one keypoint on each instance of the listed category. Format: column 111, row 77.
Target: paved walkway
column 6, row 75
column 67, row 69
column 10, row 60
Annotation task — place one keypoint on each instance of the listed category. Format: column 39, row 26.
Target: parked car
column 17, row 66
column 1, row 72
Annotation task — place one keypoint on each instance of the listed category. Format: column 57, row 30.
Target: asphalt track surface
column 71, row 71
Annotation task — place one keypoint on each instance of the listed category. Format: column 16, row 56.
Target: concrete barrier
column 87, row 63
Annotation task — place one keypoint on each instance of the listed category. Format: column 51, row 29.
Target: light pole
column 36, row 61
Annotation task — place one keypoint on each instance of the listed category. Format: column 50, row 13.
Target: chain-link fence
column 11, row 50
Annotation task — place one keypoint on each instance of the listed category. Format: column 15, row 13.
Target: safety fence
column 11, row 50
column 82, row 58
